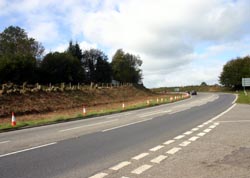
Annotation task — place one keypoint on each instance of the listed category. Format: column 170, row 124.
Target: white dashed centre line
column 120, row 165
column 188, row 133
column 169, row 142
column 79, row 127
column 2, row 142
column 173, row 150
column 201, row 134
column 140, row 156
column 185, row 143
column 156, row 148
column 193, row 138
column 99, row 175
column 113, row 128
column 28, row 149
column 179, row 137
column 158, row 159
column 195, row 129
column 141, row 169
column 200, row 126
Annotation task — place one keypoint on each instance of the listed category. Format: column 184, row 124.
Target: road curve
column 85, row 148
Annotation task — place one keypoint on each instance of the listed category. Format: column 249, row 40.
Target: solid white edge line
column 113, row 128
column 236, row 98
column 28, row 149
column 89, row 125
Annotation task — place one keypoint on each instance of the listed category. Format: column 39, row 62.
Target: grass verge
column 243, row 98
column 78, row 116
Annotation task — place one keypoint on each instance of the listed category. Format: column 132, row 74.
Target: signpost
column 245, row 83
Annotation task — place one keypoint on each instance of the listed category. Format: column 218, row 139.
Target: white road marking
column 173, row 150
column 217, row 123
column 179, row 137
column 188, row 133
column 140, row 156
column 200, row 126
column 169, row 142
column 117, row 115
column 212, row 126
column 83, row 126
column 221, row 114
column 124, row 177
column 154, row 113
column 195, row 129
column 113, row 128
column 201, row 134
column 207, row 130
column 158, row 159
column 99, row 175
column 156, row 148
column 238, row 121
column 28, row 149
column 120, row 165
column 185, row 143
column 141, row 169
column 193, row 138
column 7, row 141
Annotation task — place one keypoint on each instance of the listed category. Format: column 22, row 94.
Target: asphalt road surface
column 101, row 146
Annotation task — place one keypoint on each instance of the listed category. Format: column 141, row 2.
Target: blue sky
column 181, row 42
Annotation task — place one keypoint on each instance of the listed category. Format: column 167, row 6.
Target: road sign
column 246, row 82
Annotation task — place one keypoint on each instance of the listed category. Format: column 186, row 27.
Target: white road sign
column 246, row 82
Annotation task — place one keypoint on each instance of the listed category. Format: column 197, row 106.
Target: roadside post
column 245, row 83
column 84, row 111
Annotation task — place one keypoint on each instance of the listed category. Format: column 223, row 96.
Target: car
column 193, row 92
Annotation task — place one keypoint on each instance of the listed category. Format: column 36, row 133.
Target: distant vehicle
column 193, row 92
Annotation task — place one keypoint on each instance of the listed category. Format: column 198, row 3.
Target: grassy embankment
column 135, row 99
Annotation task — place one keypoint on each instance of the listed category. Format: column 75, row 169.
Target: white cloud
column 165, row 33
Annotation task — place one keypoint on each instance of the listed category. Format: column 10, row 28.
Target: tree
column 75, row 50
column 18, row 56
column 17, row 69
column 14, row 41
column 203, row 84
column 96, row 66
column 61, row 67
column 125, row 67
column 234, row 71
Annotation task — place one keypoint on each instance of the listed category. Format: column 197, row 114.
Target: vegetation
column 243, row 98
column 154, row 101
column 234, row 71
column 22, row 60
column 125, row 67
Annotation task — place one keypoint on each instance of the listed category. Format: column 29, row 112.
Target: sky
column 181, row 42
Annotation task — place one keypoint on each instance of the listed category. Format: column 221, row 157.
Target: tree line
column 233, row 72
column 22, row 60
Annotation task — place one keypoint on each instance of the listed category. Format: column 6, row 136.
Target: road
column 100, row 146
